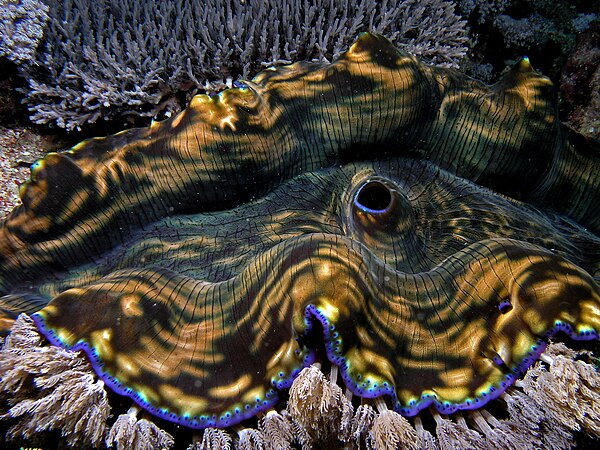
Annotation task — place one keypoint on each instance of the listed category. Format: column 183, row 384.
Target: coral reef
column 504, row 30
column 130, row 433
column 119, row 59
column 580, row 83
column 50, row 388
column 19, row 148
column 22, row 24
column 481, row 11
column 545, row 23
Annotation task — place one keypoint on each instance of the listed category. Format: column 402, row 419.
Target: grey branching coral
column 213, row 439
column 362, row 424
column 456, row 434
column 120, row 58
column 566, row 388
column 250, row 439
column 130, row 433
column 530, row 426
column 22, row 25
column 391, row 431
column 320, row 406
column 277, row 430
column 50, row 388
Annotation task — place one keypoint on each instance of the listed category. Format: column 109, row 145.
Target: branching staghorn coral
column 22, row 25
column 118, row 59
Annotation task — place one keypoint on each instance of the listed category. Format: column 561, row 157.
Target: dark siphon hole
column 374, row 196
column 505, row 306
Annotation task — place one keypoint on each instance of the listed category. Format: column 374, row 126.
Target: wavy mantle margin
column 113, row 188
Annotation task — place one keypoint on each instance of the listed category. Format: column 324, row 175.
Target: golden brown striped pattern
column 422, row 286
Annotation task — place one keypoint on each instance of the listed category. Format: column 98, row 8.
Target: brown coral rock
column 580, row 83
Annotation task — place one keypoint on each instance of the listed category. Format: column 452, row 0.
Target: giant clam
column 422, row 231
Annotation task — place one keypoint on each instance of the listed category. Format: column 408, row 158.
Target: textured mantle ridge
column 383, row 207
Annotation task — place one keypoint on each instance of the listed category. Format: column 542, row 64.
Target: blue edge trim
column 332, row 345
